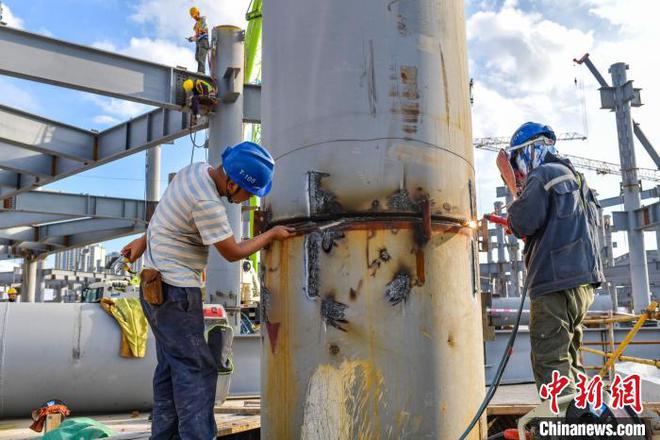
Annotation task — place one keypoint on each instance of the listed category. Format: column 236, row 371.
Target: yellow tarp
column 134, row 327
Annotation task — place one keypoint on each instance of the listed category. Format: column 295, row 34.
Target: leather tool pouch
column 152, row 286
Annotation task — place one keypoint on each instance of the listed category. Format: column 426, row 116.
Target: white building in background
column 86, row 259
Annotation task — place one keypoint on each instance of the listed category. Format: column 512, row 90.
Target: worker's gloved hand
column 191, row 39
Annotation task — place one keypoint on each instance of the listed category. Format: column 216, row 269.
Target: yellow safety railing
column 651, row 312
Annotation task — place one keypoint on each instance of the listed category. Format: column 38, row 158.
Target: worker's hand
column 134, row 249
column 281, row 232
column 191, row 39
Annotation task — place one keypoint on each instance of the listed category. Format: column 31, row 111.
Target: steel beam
column 63, row 143
column 252, row 103
column 39, row 58
column 76, row 205
column 618, row 200
column 83, row 226
column 646, row 144
column 44, row 135
column 9, row 219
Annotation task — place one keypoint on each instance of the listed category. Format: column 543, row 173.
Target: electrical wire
column 497, row 378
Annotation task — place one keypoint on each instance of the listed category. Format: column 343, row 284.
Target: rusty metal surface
column 372, row 318
column 385, row 348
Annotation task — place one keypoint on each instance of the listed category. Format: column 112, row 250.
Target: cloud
column 170, row 18
column 105, row 120
column 9, row 18
column 156, row 50
column 12, row 95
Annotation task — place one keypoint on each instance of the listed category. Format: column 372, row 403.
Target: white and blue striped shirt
column 188, row 219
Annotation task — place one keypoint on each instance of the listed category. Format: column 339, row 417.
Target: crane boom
column 599, row 166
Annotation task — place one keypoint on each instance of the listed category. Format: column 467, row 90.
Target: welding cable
column 500, row 368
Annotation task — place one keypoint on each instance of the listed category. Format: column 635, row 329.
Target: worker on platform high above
column 12, row 294
column 199, row 92
column 201, row 39
column 557, row 215
column 189, row 218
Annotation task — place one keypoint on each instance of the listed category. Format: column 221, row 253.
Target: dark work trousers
column 201, row 50
column 186, row 375
column 555, row 328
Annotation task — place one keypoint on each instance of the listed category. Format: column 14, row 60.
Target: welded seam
column 333, row 141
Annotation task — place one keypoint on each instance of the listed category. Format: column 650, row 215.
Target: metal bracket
column 608, row 98
column 229, row 91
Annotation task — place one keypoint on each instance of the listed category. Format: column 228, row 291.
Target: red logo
column 553, row 389
column 627, row 391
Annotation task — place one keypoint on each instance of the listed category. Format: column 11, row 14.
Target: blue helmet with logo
column 529, row 131
column 250, row 166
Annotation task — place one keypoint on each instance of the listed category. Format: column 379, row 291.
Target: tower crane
column 599, row 166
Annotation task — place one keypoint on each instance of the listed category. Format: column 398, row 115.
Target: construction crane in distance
column 599, row 166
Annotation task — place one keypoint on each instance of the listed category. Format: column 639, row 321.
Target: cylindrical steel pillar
column 152, row 171
column 29, row 284
column 223, row 279
column 639, row 276
column 372, row 324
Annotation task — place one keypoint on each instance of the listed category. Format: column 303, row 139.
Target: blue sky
column 520, row 57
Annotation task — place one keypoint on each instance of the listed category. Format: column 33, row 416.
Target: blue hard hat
column 250, row 166
column 529, row 131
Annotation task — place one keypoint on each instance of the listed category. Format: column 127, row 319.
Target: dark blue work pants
column 186, row 376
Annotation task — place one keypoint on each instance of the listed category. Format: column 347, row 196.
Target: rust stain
column 444, row 84
column 450, row 340
column 273, row 330
column 333, row 349
column 421, row 273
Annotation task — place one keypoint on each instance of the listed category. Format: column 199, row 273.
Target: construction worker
column 201, row 39
column 249, row 283
column 199, row 92
column 557, row 215
column 189, row 218
column 12, row 294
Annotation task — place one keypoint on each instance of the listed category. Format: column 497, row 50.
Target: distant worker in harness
column 190, row 218
column 201, row 39
column 199, row 92
column 557, row 214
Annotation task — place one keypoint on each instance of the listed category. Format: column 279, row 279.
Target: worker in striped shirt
column 189, row 218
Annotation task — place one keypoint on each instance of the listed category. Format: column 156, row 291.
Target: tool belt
column 152, row 286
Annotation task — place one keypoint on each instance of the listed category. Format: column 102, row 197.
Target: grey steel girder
column 37, row 57
column 11, row 219
column 35, row 151
column 76, row 205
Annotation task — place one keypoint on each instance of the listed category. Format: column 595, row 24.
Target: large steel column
column 501, row 258
column 372, row 324
column 632, row 201
column 153, row 173
column 223, row 280
column 513, row 246
column 29, row 285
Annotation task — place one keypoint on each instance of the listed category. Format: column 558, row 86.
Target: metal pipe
column 368, row 124
column 631, row 186
column 153, row 173
column 226, row 128
column 650, row 309
column 29, row 283
column 652, row 362
column 72, row 355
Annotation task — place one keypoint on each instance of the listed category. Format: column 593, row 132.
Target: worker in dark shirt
column 199, row 92
column 557, row 215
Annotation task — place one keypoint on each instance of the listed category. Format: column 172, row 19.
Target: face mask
column 532, row 154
